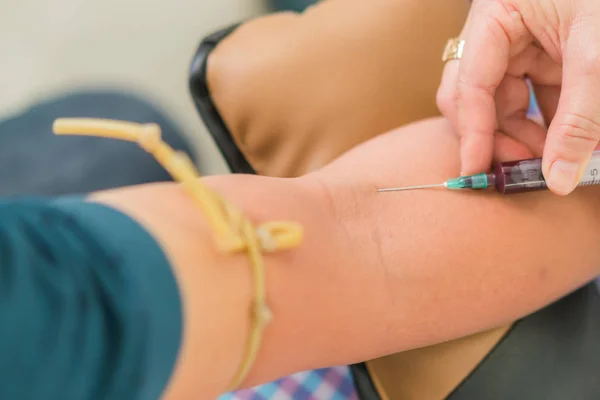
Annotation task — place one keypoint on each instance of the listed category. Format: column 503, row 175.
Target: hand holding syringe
column 512, row 177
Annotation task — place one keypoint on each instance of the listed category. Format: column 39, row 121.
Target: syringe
column 512, row 177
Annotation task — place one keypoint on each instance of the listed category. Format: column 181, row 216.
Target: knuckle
column 496, row 14
column 446, row 98
column 576, row 133
column 468, row 87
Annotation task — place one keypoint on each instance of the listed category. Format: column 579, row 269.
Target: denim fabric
column 35, row 162
column 292, row 5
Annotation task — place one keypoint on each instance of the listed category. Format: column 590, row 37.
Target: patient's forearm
column 377, row 273
column 457, row 263
column 403, row 270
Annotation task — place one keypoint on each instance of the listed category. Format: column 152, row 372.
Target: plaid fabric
column 322, row 384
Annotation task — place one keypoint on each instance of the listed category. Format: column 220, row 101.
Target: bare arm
column 378, row 273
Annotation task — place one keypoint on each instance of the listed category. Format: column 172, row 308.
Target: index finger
column 488, row 41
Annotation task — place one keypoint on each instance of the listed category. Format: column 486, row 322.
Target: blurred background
column 142, row 46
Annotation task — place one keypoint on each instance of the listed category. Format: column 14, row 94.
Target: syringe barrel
column 526, row 175
column 519, row 176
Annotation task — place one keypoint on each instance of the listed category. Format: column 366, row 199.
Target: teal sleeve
column 89, row 305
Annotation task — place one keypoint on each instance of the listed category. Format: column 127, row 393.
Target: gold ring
column 454, row 49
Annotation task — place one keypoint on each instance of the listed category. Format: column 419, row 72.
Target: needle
column 413, row 187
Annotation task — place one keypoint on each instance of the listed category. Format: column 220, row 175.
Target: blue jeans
column 292, row 5
column 33, row 161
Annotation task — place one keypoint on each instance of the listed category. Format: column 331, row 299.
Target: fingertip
column 563, row 177
column 476, row 154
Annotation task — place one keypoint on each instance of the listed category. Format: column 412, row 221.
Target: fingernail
column 563, row 176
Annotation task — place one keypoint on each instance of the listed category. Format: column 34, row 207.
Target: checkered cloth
column 322, row 384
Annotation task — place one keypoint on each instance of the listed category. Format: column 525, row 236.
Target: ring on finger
column 453, row 50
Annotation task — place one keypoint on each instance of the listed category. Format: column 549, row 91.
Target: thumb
column 575, row 131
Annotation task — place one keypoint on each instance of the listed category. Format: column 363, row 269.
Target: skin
column 554, row 43
column 394, row 259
